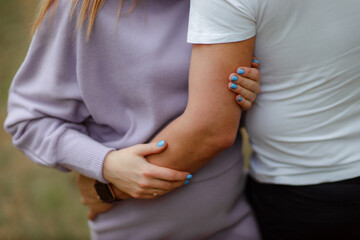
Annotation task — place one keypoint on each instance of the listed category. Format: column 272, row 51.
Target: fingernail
column 240, row 99
column 189, row 177
column 256, row 61
column 186, row 182
column 234, row 78
column 233, row 86
column 241, row 71
column 161, row 143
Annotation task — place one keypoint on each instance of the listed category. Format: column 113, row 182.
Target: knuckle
column 248, row 105
column 166, row 186
column 244, row 106
column 176, row 185
column 146, row 174
column 136, row 195
column 248, row 70
column 252, row 85
column 162, row 193
column 138, row 191
column 172, row 175
column 144, row 184
column 241, row 91
column 248, row 96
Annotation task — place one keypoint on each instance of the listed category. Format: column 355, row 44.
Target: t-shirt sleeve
column 221, row 21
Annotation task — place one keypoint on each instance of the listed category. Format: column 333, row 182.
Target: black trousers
column 323, row 211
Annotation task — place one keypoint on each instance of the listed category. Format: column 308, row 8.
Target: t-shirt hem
column 218, row 38
column 308, row 178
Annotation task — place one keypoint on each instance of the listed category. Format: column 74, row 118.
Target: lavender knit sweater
column 73, row 101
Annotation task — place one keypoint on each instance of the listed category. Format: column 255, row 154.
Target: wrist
column 115, row 191
column 105, row 192
column 106, row 165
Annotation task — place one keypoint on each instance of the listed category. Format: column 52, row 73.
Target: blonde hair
column 89, row 10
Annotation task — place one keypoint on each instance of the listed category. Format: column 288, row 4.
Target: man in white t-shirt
column 305, row 124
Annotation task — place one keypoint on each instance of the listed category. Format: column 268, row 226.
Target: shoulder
column 220, row 21
column 58, row 18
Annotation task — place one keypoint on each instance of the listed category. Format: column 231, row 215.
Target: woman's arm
column 248, row 85
column 47, row 114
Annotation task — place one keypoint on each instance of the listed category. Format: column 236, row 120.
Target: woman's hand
column 246, row 84
column 131, row 173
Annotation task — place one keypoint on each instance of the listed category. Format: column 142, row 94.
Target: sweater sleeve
column 46, row 113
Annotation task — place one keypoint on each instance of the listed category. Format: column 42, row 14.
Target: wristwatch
column 105, row 193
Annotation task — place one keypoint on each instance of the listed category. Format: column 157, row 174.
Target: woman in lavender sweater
column 85, row 100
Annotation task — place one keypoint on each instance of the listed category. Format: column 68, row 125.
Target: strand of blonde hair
column 88, row 11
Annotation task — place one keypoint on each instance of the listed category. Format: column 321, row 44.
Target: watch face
column 104, row 191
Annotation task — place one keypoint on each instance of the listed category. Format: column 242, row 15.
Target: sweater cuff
column 82, row 154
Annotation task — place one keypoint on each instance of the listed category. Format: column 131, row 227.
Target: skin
column 131, row 173
column 193, row 141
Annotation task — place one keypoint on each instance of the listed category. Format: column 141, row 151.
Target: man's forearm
column 191, row 145
column 211, row 119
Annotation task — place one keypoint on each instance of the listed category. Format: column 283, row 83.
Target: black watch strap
column 105, row 192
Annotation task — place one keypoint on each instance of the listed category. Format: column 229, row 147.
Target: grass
column 35, row 202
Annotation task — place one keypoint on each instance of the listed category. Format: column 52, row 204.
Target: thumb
column 150, row 148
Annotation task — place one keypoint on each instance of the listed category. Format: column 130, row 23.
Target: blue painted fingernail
column 188, row 177
column 161, row 143
column 241, row 71
column 240, row 99
column 233, row 86
column 186, row 182
column 256, row 61
column 234, row 78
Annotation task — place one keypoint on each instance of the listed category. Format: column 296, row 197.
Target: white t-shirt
column 305, row 123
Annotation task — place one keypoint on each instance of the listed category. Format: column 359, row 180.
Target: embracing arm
column 211, row 119
column 208, row 125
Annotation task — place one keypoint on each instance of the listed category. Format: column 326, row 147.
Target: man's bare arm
column 210, row 121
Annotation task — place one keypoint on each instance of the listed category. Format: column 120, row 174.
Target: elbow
column 212, row 135
column 219, row 139
column 224, row 140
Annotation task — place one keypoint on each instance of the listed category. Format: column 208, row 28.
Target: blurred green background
column 35, row 202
